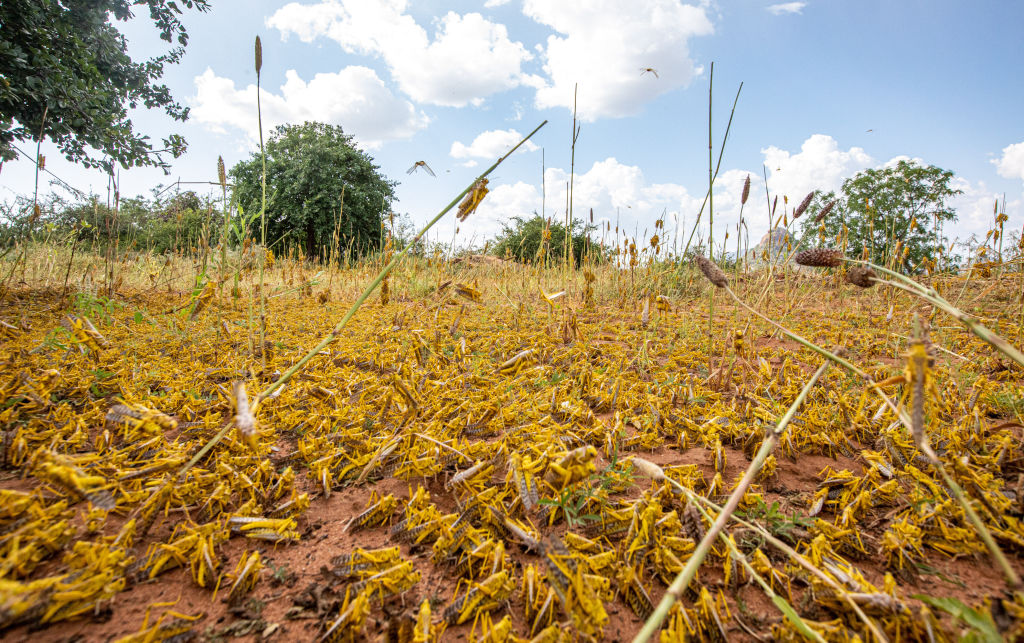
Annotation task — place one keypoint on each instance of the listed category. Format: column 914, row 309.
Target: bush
column 534, row 239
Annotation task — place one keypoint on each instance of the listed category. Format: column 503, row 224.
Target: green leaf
column 795, row 619
column 138, row 317
column 981, row 621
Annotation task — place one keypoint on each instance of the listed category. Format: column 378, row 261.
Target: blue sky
column 830, row 88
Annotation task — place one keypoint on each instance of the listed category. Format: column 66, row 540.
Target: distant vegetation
column 536, row 239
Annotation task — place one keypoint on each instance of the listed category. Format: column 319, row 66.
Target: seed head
column 244, row 420
column 711, row 271
column 648, row 468
column 862, row 276
column 746, row 191
column 221, row 174
column 803, row 205
column 824, row 211
column 819, row 258
column 259, row 55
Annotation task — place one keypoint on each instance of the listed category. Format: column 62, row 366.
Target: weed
column 777, row 522
column 95, row 306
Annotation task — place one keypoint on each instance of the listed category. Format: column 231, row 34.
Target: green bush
column 524, row 241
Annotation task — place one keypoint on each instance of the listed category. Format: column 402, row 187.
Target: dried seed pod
column 244, row 420
column 648, row 468
column 711, row 271
column 800, row 209
column 819, row 258
column 862, row 276
column 824, row 211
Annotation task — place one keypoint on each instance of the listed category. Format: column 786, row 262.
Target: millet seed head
column 819, row 258
column 259, row 55
column 862, row 276
column 711, row 271
column 800, row 209
column 824, row 211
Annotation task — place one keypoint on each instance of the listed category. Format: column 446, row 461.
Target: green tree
column 897, row 209
column 523, row 241
column 307, row 167
column 65, row 72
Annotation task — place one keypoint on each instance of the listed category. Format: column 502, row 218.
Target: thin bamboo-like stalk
column 263, row 210
column 685, row 576
column 711, row 224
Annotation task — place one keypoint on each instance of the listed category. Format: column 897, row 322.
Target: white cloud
column 500, row 205
column 1011, row 164
column 621, row 193
column 490, row 4
column 786, row 7
column 490, row 144
column 822, row 165
column 819, row 165
column 605, row 46
column 354, row 98
column 468, row 59
column 607, row 187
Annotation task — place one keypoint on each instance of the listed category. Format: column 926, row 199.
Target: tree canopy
column 893, row 214
column 65, row 73
column 308, row 166
column 524, row 240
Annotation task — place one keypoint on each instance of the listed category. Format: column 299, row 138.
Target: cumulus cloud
column 606, row 46
column 504, row 202
column 786, row 7
column 819, row 165
column 1011, row 164
column 613, row 190
column 822, row 165
column 621, row 192
column 490, row 144
column 468, row 59
column 490, row 4
column 354, row 98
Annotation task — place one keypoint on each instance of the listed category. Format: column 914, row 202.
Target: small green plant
column 95, row 306
column 777, row 522
column 98, row 388
column 982, row 627
column 573, row 502
column 56, row 339
column 1006, row 404
column 255, row 605
column 281, row 575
